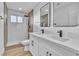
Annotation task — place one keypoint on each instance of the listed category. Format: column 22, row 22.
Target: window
column 17, row 19
column 13, row 18
column 20, row 20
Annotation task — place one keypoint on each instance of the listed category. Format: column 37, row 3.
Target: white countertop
column 71, row 43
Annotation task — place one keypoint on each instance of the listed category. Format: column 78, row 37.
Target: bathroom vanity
column 52, row 45
column 55, row 42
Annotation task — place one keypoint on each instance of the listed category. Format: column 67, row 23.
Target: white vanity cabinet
column 43, row 47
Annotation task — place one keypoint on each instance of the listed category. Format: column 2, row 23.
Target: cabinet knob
column 32, row 43
column 50, row 54
column 54, row 23
column 47, row 53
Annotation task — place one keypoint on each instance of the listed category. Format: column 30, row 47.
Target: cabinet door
column 62, row 50
column 34, row 45
column 67, row 52
column 31, row 47
column 43, row 51
column 35, row 49
column 52, row 52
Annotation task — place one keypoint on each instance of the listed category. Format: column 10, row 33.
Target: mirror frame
column 49, row 14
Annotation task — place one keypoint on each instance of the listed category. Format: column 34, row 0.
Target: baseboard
column 13, row 44
column 10, row 44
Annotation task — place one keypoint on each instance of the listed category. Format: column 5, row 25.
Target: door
column 17, row 29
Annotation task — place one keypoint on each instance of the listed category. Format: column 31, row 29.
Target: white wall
column 1, row 28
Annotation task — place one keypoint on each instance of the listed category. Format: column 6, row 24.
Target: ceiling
column 25, row 6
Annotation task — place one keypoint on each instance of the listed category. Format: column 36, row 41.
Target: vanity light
column 20, row 8
column 46, row 10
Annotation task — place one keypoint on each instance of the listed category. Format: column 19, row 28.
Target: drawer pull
column 47, row 53
column 32, row 43
column 50, row 54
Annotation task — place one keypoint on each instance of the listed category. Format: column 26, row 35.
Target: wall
column 1, row 28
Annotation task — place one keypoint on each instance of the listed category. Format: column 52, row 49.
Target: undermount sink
column 40, row 33
column 54, row 37
column 62, row 39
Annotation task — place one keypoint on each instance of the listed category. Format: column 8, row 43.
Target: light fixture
column 46, row 10
column 20, row 8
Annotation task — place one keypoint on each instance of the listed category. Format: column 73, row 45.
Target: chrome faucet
column 60, row 33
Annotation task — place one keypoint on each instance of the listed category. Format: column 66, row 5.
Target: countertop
column 71, row 43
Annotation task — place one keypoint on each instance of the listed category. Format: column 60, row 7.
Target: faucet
column 42, row 31
column 60, row 33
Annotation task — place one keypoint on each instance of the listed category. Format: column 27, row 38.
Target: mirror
column 65, row 14
column 45, row 15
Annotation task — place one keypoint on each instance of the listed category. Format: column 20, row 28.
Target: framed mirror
column 45, row 14
column 65, row 14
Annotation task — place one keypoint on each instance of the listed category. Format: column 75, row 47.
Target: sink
column 62, row 39
column 45, row 34
column 39, row 33
column 54, row 37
